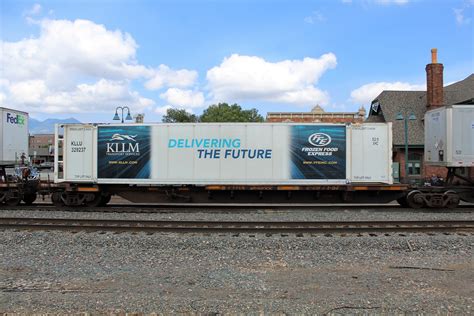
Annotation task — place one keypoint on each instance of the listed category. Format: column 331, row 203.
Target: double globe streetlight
column 122, row 108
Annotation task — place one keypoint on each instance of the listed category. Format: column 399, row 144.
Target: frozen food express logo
column 17, row 119
column 319, row 139
column 319, row 145
column 120, row 144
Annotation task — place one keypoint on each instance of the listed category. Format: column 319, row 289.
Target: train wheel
column 13, row 201
column 3, row 197
column 453, row 199
column 105, row 199
column 403, row 201
column 29, row 198
column 57, row 200
column 94, row 200
column 415, row 199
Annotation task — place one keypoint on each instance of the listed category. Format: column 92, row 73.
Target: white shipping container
column 371, row 153
column 14, row 136
column 449, row 136
column 227, row 153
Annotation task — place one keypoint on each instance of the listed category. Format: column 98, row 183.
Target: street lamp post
column 116, row 116
column 401, row 117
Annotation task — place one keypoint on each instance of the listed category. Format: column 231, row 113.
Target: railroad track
column 234, row 226
column 231, row 208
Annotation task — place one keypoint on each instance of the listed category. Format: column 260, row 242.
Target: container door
column 462, row 136
column 79, row 153
column 371, row 153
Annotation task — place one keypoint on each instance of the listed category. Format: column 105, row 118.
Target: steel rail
column 233, row 208
column 235, row 226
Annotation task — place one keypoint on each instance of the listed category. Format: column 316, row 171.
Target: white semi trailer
column 15, row 186
column 13, row 136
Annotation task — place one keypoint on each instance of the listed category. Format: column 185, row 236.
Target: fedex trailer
column 14, row 136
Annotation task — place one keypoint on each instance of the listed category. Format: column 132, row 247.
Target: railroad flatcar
column 241, row 162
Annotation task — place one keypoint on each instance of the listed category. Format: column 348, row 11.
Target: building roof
column 390, row 103
column 317, row 109
column 461, row 91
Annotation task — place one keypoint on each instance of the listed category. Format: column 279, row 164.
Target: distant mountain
column 47, row 126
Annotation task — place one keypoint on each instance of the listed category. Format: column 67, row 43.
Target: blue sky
column 84, row 58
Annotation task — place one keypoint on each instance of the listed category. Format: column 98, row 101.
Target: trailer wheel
column 415, row 199
column 29, row 198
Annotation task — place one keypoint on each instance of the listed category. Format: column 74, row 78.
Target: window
column 414, row 164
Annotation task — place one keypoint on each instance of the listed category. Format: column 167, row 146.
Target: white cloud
column 389, row 2
column 253, row 78
column 459, row 13
column 80, row 48
column 183, row 98
column 315, row 17
column 306, row 96
column 377, row 2
column 34, row 10
column 34, row 95
column 78, row 66
column 164, row 76
column 28, row 92
column 366, row 93
column 161, row 110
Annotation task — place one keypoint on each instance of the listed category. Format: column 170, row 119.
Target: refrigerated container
column 226, row 153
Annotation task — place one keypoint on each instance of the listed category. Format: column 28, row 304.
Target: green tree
column 179, row 116
column 223, row 112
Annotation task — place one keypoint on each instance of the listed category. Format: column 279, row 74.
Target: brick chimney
column 434, row 82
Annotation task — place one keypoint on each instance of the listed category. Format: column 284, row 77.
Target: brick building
column 318, row 115
column 41, row 148
column 389, row 104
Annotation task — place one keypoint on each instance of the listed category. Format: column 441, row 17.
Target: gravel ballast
column 51, row 272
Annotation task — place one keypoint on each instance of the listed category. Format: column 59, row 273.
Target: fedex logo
column 15, row 119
